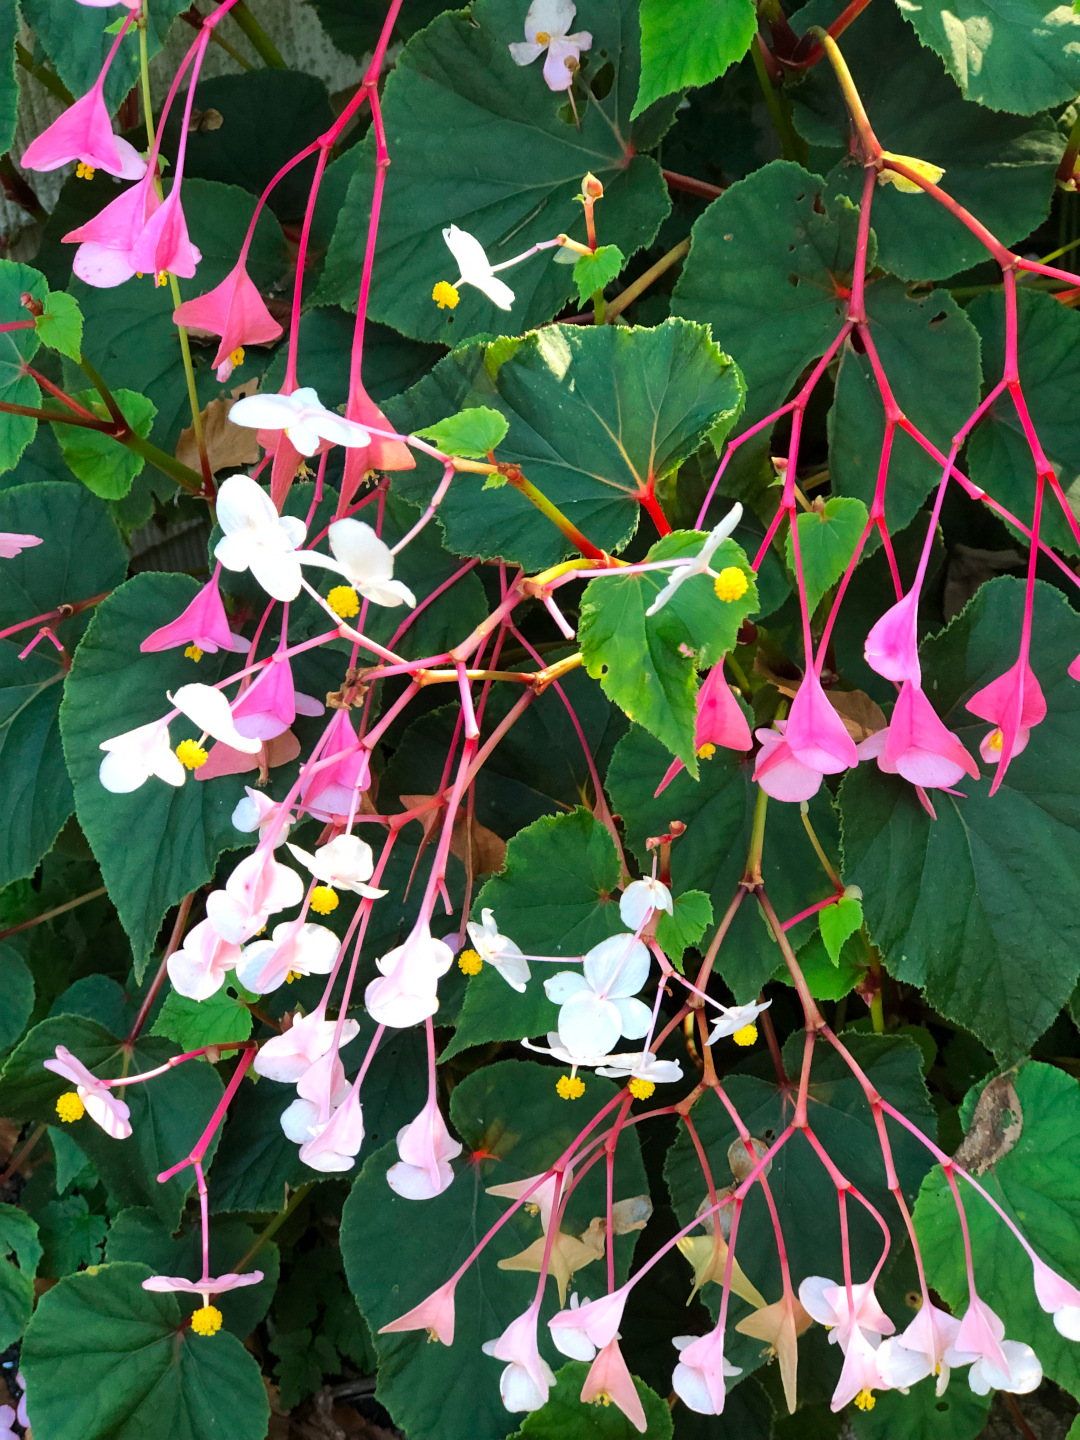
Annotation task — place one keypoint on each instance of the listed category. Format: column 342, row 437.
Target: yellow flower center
column 706, row 751
column 865, row 1400
column 292, row 975
column 84, row 171
column 206, row 1320
column 191, row 754
column 161, row 278
column 995, row 740
column 194, row 653
column 445, row 295
column 469, row 962
column 323, row 900
column 237, row 357
column 746, row 1036
column 344, row 601
column 69, row 1107
column 603, row 1399
column 543, row 38
column 641, row 1089
column 731, row 583
column 570, row 1087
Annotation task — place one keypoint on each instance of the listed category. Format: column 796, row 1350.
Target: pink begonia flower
column 271, row 702
column 288, row 1057
column 162, row 246
column 641, row 898
column 236, row 312
column 208, row 708
column 328, row 794
column 892, row 647
column 204, row 623
column 295, row 949
column 207, row 1286
column 20, row 1412
column 105, row 242
column 223, row 760
column 300, row 415
column 379, row 454
column 257, row 538
column 12, row 544
column 426, row 1148
column 84, row 132
column 136, row 755
column 777, row 771
column 582, row 1330
column 597, row 1006
column 498, row 951
column 255, row 890
column 720, row 721
column 258, row 812
column 199, row 967
column 101, row 1104
column 918, row 1351
column 609, row 1382
column 305, row 1119
column 996, row 1363
column 919, row 746
column 542, row 1198
column 1014, row 703
column 827, row 1303
column 1059, row 1299
column 546, row 27
column 435, row 1315
column 1074, row 669
column 816, row 734
column 698, row 1378
column 406, row 991
column 859, row 1376
column 527, row 1378
column 324, row 1084
column 336, row 1143
column 345, row 863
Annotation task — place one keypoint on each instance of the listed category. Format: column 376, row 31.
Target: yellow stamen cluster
column 865, row 1400
column 70, row 1107
column 291, row 976
column 469, row 962
column 730, row 584
column 602, row 1399
column 206, row 1320
column 706, row 751
column 191, row 754
column 194, row 653
column 84, row 171
column 995, row 740
column 543, row 38
column 161, row 278
column 570, row 1087
column 445, row 295
column 323, row 900
column 746, row 1036
column 237, row 357
column 344, row 601
column 641, row 1089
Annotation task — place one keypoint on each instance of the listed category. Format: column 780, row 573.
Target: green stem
column 44, row 75
column 740, row 676
column 144, row 78
column 270, row 1230
column 598, row 307
column 193, row 396
column 635, row 288
column 791, row 146
column 168, row 464
column 51, row 914
column 877, row 1006
column 268, row 51
column 818, row 850
column 752, row 874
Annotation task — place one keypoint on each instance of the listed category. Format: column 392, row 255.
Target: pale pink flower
column 406, row 991
column 777, row 771
column 101, row 1105
column 1014, row 703
column 641, row 898
column 698, row 1378
column 610, row 1382
column 918, row 745
column 258, row 812
column 7, row 1419
column 815, row 732
column 102, row 4
column 328, row 793
column 892, row 647
column 720, row 721
column 105, row 242
column 582, row 1330
column 207, row 1286
column 12, row 544
column 199, row 967
column 919, row 1351
column 827, row 1303
column 344, row 863
column 546, row 27
column 288, row 1057
column 1059, row 1299
column 435, row 1315
column 271, row 702
column 860, row 1375
column 324, row 1083
column 996, row 1363
column 426, row 1148
column 335, row 1145
column 84, row 132
column 527, row 1378
column 136, row 755
column 234, row 310
column 204, row 623
column 255, row 890
column 295, row 949
column 542, row 1198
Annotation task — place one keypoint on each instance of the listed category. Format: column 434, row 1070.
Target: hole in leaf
column 819, row 204
column 942, row 1406
column 793, row 280
column 799, row 197
column 603, row 80
column 938, row 319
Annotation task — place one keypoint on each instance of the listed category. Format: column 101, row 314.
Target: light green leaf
column 827, row 540
column 595, row 271
column 837, row 923
column 194, row 1023
column 676, row 933
column 60, row 324
column 565, row 1417
column 470, row 433
column 103, row 464
column 828, row 979
column 690, row 42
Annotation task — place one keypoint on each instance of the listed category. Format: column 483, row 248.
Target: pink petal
column 891, row 646
column 163, row 243
column 378, row 454
column 609, row 1378
column 204, row 623
column 720, row 721
column 267, row 707
column 83, row 132
column 815, row 732
column 920, row 747
column 234, row 310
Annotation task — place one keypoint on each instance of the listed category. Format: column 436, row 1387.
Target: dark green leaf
column 77, row 42
column 17, row 349
column 827, row 540
column 596, row 270
column 471, row 433
column 565, row 1417
column 919, row 1415
column 103, row 464
column 71, row 1235
column 18, row 1238
column 17, row 988
column 9, row 86
column 690, row 42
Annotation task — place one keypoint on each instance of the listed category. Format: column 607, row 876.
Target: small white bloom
column 499, row 952
column 257, row 538
column 640, row 899
column 258, row 812
column 546, row 27
column 597, row 1006
column 476, row 269
column 700, row 563
column 736, row 1018
column 307, row 949
column 289, row 1056
column 367, row 564
column 304, row 420
column 210, row 711
column 136, row 755
column 641, row 1065
column 344, row 864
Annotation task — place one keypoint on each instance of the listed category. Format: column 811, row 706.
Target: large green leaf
column 105, row 1359
column 219, row 1018
column 976, row 906
column 690, row 42
column 509, row 177
column 1036, row 1180
column 173, row 837
column 565, row 1417
column 77, row 42
column 391, row 362
column 597, row 415
column 17, row 349
column 9, row 86
column 17, row 988
column 81, row 555
column 918, row 1414
column 556, row 896
column 18, row 1238
column 511, row 1113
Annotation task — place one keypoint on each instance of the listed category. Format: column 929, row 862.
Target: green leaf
column 355, row 27
column 60, row 325
column 173, row 836
column 975, row 907
column 646, row 663
column 827, row 540
column 17, row 988
column 919, row 1415
column 71, row 1235
column 103, row 464
column 838, row 923
column 598, row 414
column 17, row 349
column 80, row 556
column 78, row 42
column 71, row 1159
column 556, row 896
column 676, row 933
column 828, row 979
column 690, row 42
column 596, row 270
column 9, row 86
column 510, row 177
column 194, row 1023
column 162, row 1377
column 303, row 1360
column 470, row 433
column 511, row 1112
column 18, row 1237
column 565, row 1417
column 1036, row 1180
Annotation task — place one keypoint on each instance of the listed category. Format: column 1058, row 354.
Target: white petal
column 278, row 574
column 388, row 593
column 340, row 431
column 468, row 252
column 812, row 1298
column 554, row 16
column 514, row 969
column 497, row 291
column 636, row 1017
column 589, row 1025
column 210, row 711
column 264, row 412
column 524, row 52
column 561, row 987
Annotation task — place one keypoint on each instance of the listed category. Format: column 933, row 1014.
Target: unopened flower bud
column 592, row 188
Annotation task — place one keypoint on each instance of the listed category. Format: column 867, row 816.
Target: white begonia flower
column 558, row 1051
column 476, row 269
column 1058, row 1298
column 499, row 952
column 700, row 563
column 258, row 812
column 344, row 864
column 827, row 1303
column 304, row 420
column 905, row 1359
column 211, row 712
column 289, row 1056
column 257, row 538
column 367, row 564
column 580, row 1331
column 736, row 1018
column 640, row 899
column 307, row 949
column 527, row 1378
column 641, row 1065
column 597, row 1006
column 136, row 755
column 546, row 27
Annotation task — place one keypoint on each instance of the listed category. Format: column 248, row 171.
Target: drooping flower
column 892, row 646
column 289, row 1056
column 304, row 420
column 996, row 1363
column 208, row 708
column 779, row 1325
column 1014, row 704
column 328, row 793
column 199, row 967
column 426, row 1148
column 406, row 990
column 12, row 544
column 207, row 1286
column 435, row 1315
column 295, row 949
column 735, row 1019
column 540, row 1190
column 815, row 731
column 258, row 812
column 779, row 773
column 84, row 132
column 527, row 1378
column 100, row 1103
column 546, row 27
column 698, row 1378
column 255, row 890
column 268, row 707
column 640, row 899
column 597, row 1006
column 380, row 454
column 720, row 721
column 499, row 952
column 859, row 1376
column 133, row 757
column 827, row 1303
column 918, row 1351
column 203, row 624
column 345, row 863
column 234, row 310
column 476, row 270
column 335, row 1145
column 257, row 538
column 609, row 1382
column 1059, row 1299
column 640, row 1065
column 918, row 745
column 366, row 562
column 699, row 564
column 106, row 242
column 582, row 1330
column 163, row 246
